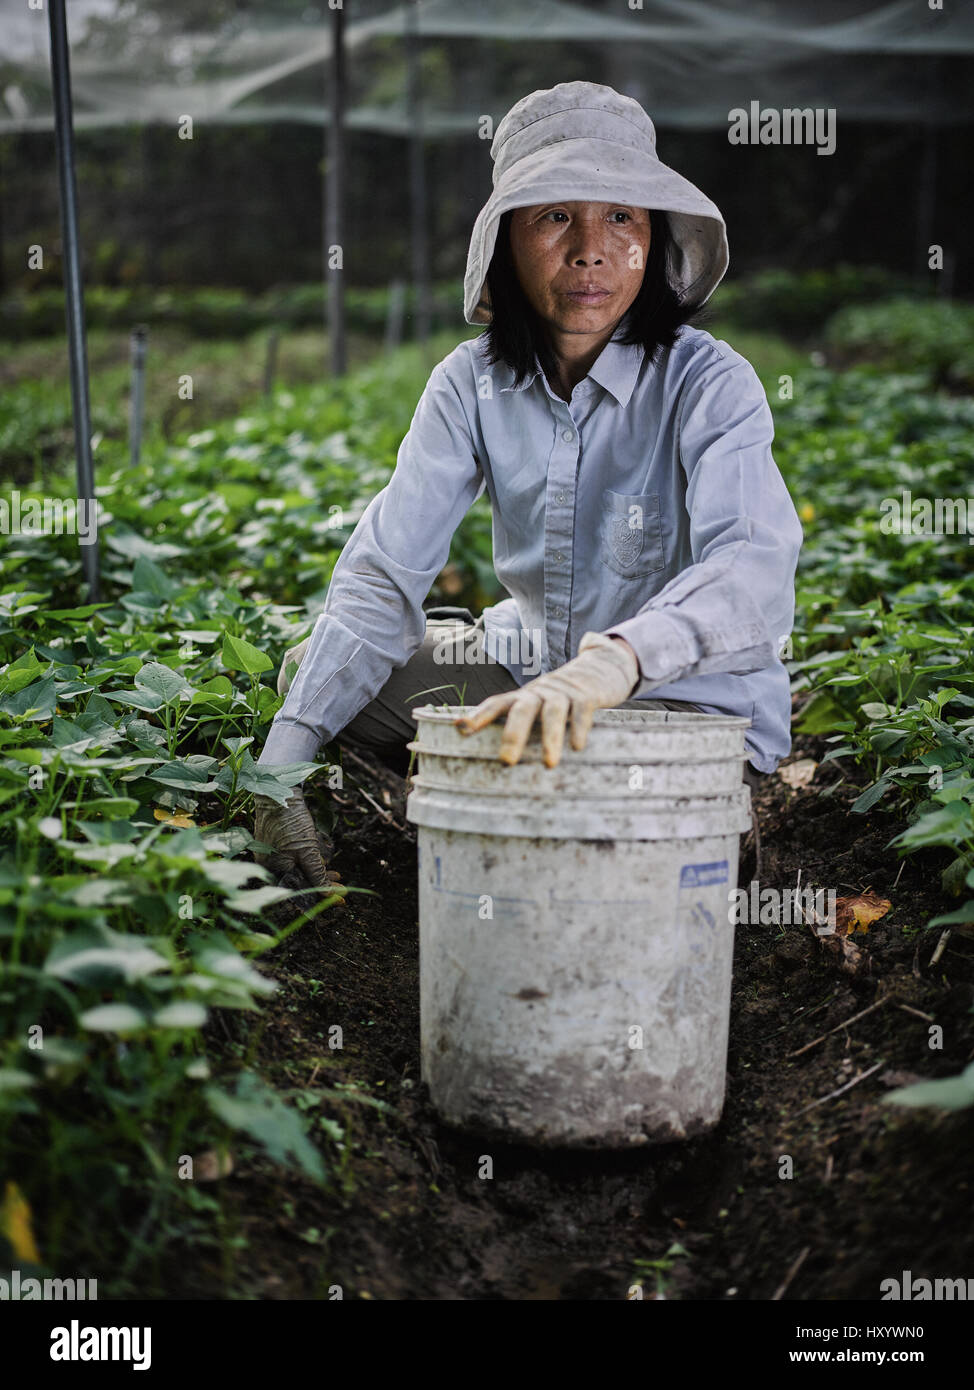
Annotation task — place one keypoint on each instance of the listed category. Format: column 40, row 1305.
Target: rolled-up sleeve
column 373, row 619
column 728, row 610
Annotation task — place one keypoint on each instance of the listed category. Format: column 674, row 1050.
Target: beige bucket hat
column 583, row 141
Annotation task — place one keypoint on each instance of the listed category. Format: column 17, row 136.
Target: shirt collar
column 615, row 368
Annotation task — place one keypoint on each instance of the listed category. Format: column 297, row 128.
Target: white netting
column 689, row 61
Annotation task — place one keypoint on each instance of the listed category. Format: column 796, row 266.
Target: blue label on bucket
column 699, row 875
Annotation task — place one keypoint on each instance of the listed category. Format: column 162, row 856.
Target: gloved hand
column 298, row 859
column 604, row 673
column 296, row 654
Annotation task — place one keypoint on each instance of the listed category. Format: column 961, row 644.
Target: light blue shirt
column 649, row 505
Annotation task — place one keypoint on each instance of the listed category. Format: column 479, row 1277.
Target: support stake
column 73, row 290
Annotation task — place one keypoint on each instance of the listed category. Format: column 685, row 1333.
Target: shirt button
column 568, row 436
column 559, row 612
column 560, row 497
column 559, row 556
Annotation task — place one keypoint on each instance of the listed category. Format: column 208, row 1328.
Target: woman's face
column 580, row 264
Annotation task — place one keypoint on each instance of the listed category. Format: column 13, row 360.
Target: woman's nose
column 586, row 246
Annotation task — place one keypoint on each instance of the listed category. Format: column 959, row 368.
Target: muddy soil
column 874, row 1189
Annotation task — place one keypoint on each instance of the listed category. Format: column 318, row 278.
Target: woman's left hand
column 604, row 673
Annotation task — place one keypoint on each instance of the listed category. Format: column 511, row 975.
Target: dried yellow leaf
column 858, row 914
column 15, row 1222
column 181, row 822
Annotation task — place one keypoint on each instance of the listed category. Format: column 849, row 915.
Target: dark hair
column 516, row 332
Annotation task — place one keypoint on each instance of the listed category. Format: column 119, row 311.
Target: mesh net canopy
column 688, row 61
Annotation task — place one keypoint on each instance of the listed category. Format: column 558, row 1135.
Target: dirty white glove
column 604, row 673
column 298, row 858
column 296, row 654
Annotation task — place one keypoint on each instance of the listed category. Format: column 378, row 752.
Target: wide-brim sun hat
column 584, row 142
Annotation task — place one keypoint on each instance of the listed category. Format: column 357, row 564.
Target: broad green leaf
column 239, row 655
column 163, row 681
column 193, row 773
column 143, row 734
column 109, row 832
column 256, row 1110
column 20, row 673
column 822, row 715
column 98, row 892
column 214, row 955
column 85, row 611
column 137, row 699
column 256, row 899
column 97, row 957
column 112, row 807
column 219, row 685
column 871, row 795
column 132, row 545
column 958, row 917
column 184, row 1013
column 13, row 1080
column 231, row 874
column 148, row 578
column 113, row 1018
column 949, row 1093
column 236, row 840
column 34, row 703
column 107, row 855
column 276, row 781
column 943, row 826
column 885, row 740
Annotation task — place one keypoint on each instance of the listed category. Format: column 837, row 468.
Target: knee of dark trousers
column 385, row 726
column 450, row 636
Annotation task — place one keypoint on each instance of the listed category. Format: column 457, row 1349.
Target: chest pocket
column 630, row 536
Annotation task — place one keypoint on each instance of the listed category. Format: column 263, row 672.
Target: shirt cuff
column 289, row 743
column 663, row 650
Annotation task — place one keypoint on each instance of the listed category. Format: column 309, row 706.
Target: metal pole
column 73, row 291
column 270, row 362
column 3, row 194
column 417, row 176
column 137, row 404
column 927, row 184
column 394, row 314
column 335, row 194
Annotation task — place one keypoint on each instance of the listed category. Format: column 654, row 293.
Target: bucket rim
column 533, row 754
column 605, row 718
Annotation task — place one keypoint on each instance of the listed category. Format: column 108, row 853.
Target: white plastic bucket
column 575, row 938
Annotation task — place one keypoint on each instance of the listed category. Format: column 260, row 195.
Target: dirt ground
column 875, row 1190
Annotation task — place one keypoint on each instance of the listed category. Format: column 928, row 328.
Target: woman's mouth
column 591, row 295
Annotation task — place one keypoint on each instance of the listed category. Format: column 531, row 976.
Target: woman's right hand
column 298, row 858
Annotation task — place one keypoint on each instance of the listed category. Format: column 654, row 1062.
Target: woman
column 641, row 526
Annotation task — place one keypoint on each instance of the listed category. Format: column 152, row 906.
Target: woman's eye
column 556, row 213
column 621, row 213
